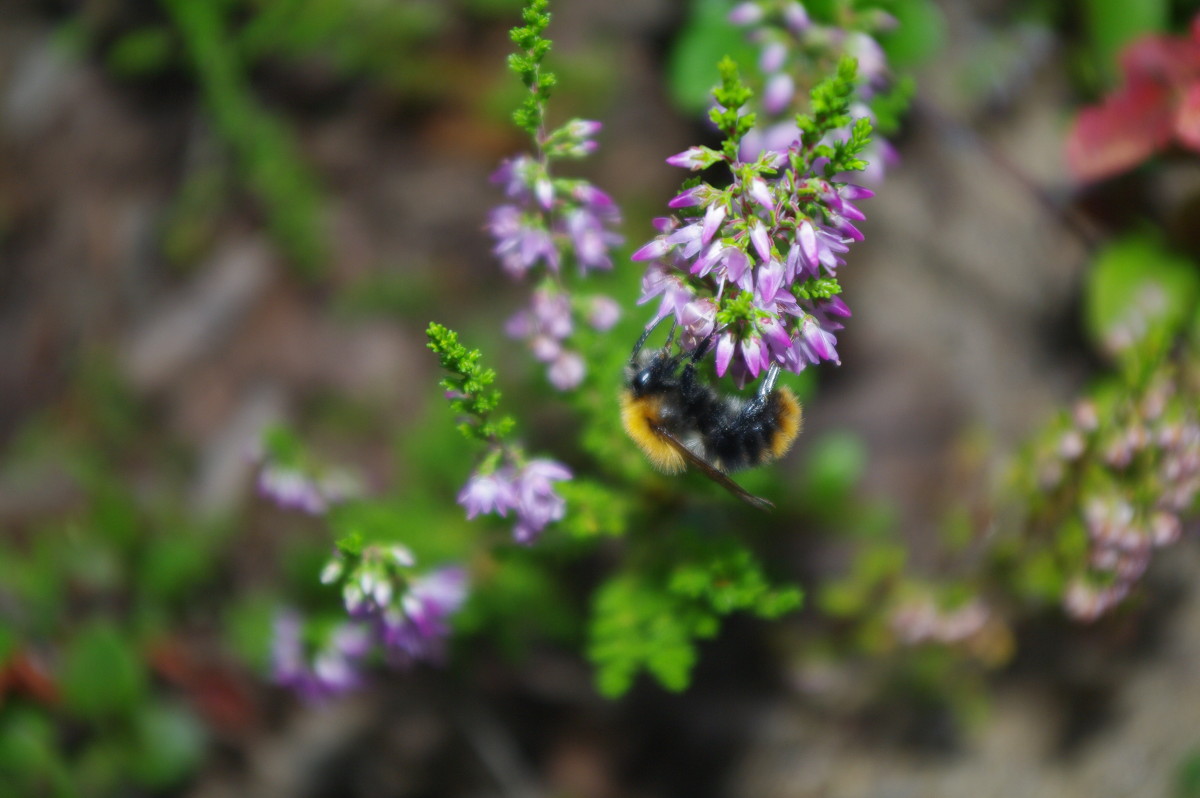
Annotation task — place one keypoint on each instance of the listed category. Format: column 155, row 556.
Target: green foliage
column 1137, row 282
column 142, row 52
column 1187, row 776
column 468, row 385
column 705, row 39
column 1111, row 24
column 527, row 64
column 596, row 510
column 817, row 288
column 517, row 600
column 642, row 622
column 835, row 466
column 830, row 109
column 265, row 150
column 637, row 625
column 102, row 677
column 919, row 36
column 170, row 743
column 731, row 95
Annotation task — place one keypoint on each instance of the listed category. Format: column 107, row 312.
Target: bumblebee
column 677, row 420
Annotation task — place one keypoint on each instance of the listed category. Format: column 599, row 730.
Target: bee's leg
column 768, row 383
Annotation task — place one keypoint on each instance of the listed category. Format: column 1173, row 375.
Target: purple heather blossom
column 603, row 312
column 746, row 13
column 778, row 94
column 529, row 490
column 294, row 489
column 551, row 220
column 416, row 628
column 675, row 294
column 566, row 371
column 489, row 493
column 692, row 158
column 690, row 197
column 795, row 17
column 545, row 325
column 772, row 57
column 921, row 620
column 538, row 503
column 330, row 671
column 590, row 239
column 517, row 175
column 697, row 320
column 520, row 243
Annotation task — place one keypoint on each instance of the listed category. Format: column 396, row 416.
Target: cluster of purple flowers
column 310, row 491
column 547, row 324
column 528, row 491
column 1144, row 476
column 791, row 44
column 393, row 609
column 546, row 222
column 922, row 620
column 756, row 264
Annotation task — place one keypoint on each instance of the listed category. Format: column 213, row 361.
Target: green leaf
column 1187, row 779
column 593, row 510
column 248, row 626
column 1111, row 24
column 172, row 565
column 169, row 745
column 142, row 52
column 919, row 36
column 835, row 465
column 30, row 763
column 706, row 38
column 1138, row 278
column 635, row 627
column 102, row 675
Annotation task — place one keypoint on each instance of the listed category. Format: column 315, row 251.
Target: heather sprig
column 550, row 222
column 294, row 479
column 505, row 479
column 398, row 615
column 527, row 64
column 797, row 50
column 754, row 264
column 468, row 387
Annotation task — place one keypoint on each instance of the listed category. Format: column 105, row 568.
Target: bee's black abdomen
column 745, row 437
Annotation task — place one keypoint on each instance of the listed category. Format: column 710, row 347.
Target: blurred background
column 218, row 216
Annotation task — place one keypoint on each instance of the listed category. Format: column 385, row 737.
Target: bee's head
column 652, row 372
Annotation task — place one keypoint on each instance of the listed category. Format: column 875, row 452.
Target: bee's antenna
column 642, row 340
column 768, row 383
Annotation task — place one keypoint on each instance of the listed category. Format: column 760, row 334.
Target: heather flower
column 417, row 626
column 553, row 221
column 521, row 241
column 305, row 490
column 791, row 45
column 394, row 608
column 603, row 312
column 488, row 493
column 754, row 264
column 545, row 326
column 566, row 371
column 922, row 620
column 527, row 489
column 332, row 669
column 538, row 503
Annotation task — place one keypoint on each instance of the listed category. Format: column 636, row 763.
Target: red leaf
column 1124, row 130
column 1187, row 118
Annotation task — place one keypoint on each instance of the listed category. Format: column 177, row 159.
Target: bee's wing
column 713, row 473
